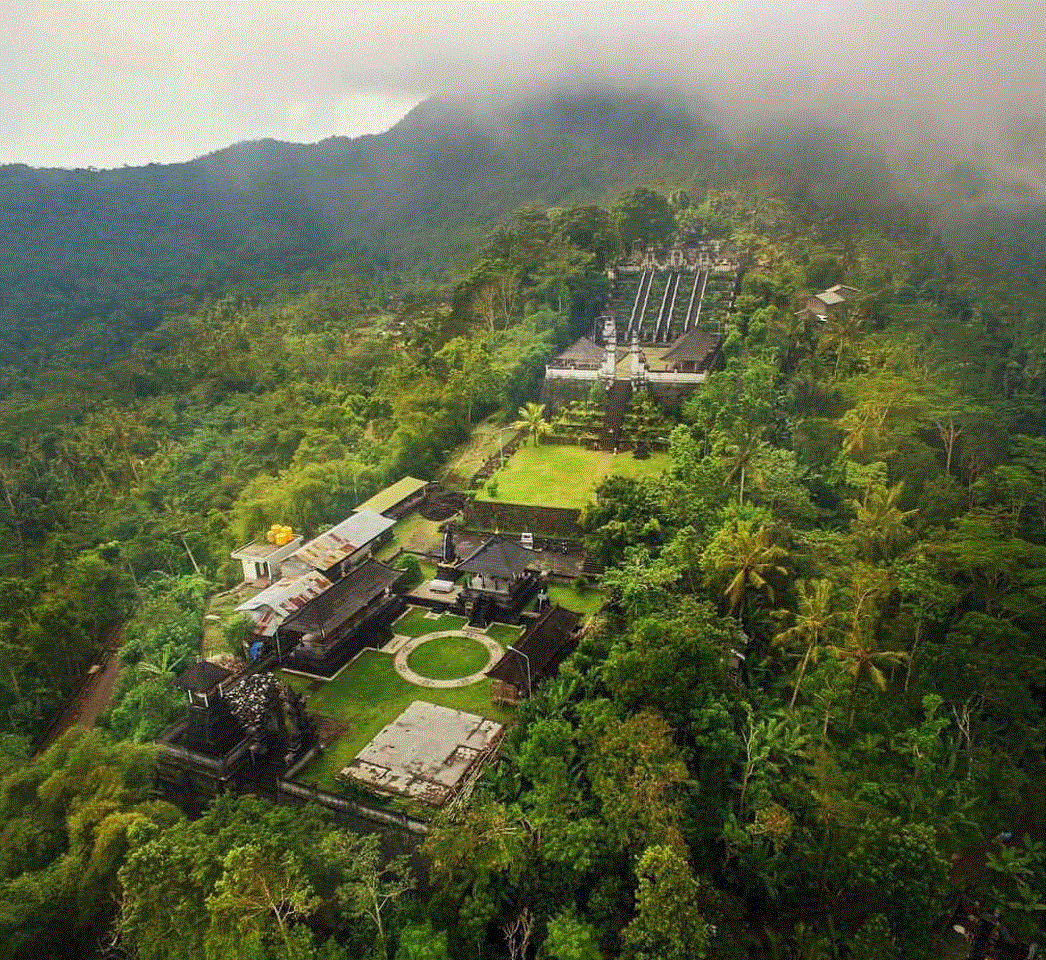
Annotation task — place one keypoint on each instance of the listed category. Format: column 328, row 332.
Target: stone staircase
column 616, row 405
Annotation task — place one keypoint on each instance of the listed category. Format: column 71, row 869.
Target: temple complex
column 661, row 330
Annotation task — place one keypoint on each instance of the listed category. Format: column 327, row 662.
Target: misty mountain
column 115, row 249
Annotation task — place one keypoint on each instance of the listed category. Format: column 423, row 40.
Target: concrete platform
column 424, row 754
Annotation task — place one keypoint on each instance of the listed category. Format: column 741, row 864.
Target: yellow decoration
column 279, row 534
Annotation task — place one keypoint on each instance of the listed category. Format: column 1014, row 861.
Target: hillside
column 126, row 245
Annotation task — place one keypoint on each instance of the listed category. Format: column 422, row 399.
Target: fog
column 113, row 84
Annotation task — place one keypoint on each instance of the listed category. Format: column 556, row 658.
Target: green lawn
column 586, row 601
column 370, row 694
column 448, row 658
column 414, row 623
column 564, row 476
column 413, row 533
column 503, row 633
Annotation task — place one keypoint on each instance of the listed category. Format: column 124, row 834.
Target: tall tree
column 668, row 924
column 643, row 215
column 880, row 525
column 747, row 559
column 816, row 620
column 532, row 419
column 860, row 651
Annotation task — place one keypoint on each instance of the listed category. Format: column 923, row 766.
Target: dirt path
column 93, row 696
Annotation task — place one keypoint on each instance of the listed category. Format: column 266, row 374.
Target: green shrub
column 412, row 574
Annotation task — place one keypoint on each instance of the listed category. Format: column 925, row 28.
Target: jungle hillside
column 810, row 719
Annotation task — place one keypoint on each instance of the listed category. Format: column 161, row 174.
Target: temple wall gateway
column 668, row 390
column 522, row 518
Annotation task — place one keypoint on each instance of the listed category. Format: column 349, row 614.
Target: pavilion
column 329, row 630
column 535, row 657
column 502, row 581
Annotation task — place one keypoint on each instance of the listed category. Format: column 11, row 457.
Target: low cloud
column 108, row 84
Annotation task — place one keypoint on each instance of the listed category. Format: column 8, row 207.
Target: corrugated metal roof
column 288, row 594
column 344, row 540
column 393, row 496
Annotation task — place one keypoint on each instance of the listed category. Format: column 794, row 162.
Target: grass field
column 413, row 533
column 370, row 694
column 563, row 476
column 414, row 623
column 503, row 633
column 587, row 602
column 448, row 658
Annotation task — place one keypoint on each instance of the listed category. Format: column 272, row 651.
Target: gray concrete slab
column 425, row 753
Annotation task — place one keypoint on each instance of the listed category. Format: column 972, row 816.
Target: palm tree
column 749, row 558
column 741, row 457
column 532, row 419
column 815, row 621
column 839, row 335
column 863, row 425
column 863, row 659
column 167, row 664
column 880, row 524
column 860, row 653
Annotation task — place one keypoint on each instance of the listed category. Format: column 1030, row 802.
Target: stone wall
column 521, row 518
column 557, row 392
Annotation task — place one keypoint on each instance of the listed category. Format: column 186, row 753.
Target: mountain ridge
column 123, row 246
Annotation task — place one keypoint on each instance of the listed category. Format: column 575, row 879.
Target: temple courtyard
column 440, row 663
column 563, row 476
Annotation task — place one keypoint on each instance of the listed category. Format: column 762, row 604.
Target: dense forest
column 860, row 509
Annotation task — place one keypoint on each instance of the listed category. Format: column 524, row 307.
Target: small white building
column 262, row 561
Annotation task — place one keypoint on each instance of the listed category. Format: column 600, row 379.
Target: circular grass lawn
column 447, row 658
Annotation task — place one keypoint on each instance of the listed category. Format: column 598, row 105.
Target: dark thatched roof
column 202, row 676
column 341, row 602
column 585, row 350
column 546, row 642
column 694, row 346
column 498, row 558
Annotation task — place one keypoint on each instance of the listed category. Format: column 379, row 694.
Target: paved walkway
column 403, row 651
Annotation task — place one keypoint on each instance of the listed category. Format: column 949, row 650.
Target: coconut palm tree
column 741, row 458
column 749, row 558
column 880, row 525
column 815, row 621
column 859, row 652
column 863, row 427
column 863, row 659
column 532, row 419
column 839, row 336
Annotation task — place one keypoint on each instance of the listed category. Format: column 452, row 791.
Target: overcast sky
column 112, row 83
